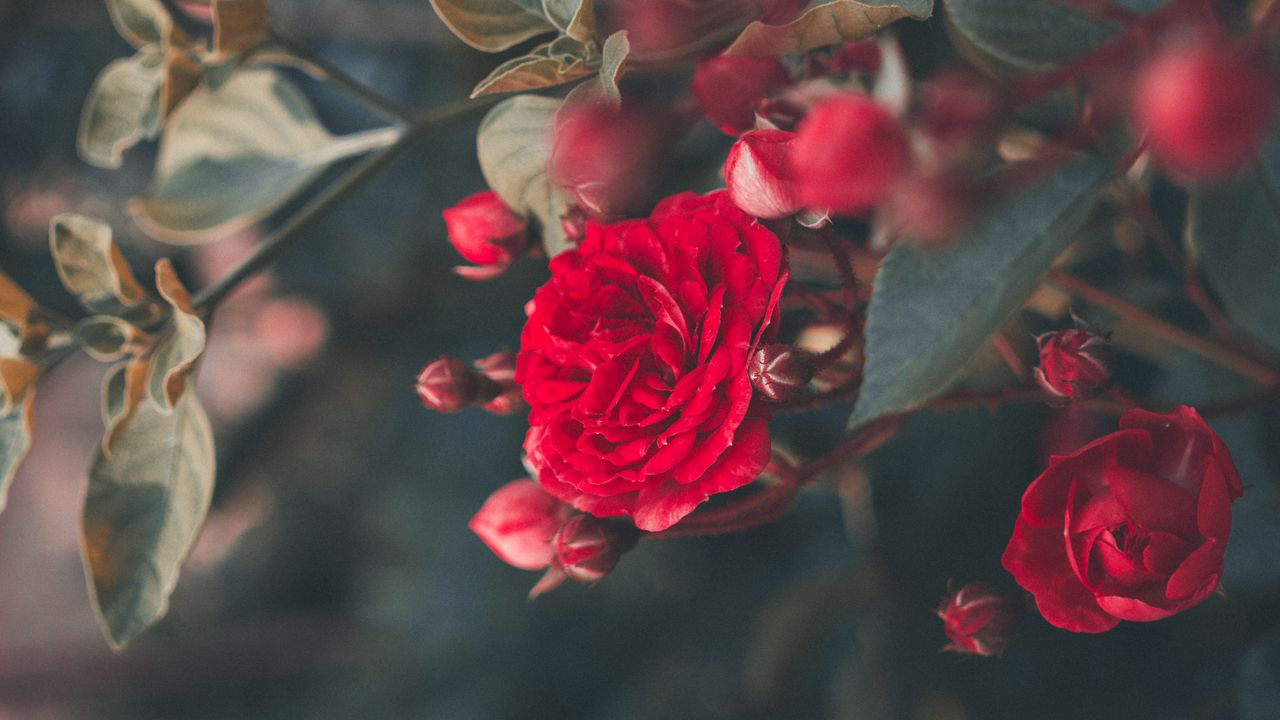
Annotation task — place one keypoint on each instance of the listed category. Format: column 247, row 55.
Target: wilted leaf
column 233, row 154
column 143, row 511
column 493, row 25
column 15, row 441
column 107, row 338
column 180, row 343
column 123, row 389
column 238, row 25
column 549, row 64
column 141, row 22
column 1032, row 34
column 575, row 18
column 615, row 51
column 514, row 145
column 826, row 24
column 92, row 268
column 17, row 375
column 932, row 311
column 1234, row 228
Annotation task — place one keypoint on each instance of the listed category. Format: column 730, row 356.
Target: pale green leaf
column 825, row 24
column 493, row 25
column 514, row 145
column 180, row 343
column 94, row 271
column 616, row 49
column 141, row 22
column 123, row 107
column 545, row 66
column 932, row 311
column 575, row 18
column 143, row 512
column 232, row 155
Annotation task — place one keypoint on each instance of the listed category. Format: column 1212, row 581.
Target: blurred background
column 336, row 577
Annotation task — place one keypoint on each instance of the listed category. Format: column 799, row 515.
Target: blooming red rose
column 1132, row 526
column 634, row 361
column 758, row 174
column 730, row 87
column 849, row 153
column 979, row 620
column 1071, row 364
column 487, row 232
column 518, row 523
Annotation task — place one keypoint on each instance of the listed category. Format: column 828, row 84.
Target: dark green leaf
column 232, row 155
column 493, row 25
column 514, row 145
column 1235, row 228
column 92, row 268
column 931, row 312
column 827, row 23
column 143, row 511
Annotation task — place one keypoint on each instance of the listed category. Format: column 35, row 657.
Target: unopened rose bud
column 487, row 232
column 779, row 372
column 1205, row 108
column 519, row 522
column 447, row 385
column 1072, row 364
column 730, row 88
column 499, row 369
column 849, row 153
column 610, row 160
column 979, row 620
column 588, row 547
column 758, row 174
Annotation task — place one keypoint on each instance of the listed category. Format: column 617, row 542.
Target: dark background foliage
column 338, row 579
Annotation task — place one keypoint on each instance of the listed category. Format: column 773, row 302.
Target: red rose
column 1132, row 526
column 1071, row 366
column 634, row 361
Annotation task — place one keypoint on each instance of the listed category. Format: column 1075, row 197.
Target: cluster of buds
column 448, row 384
column 979, row 620
column 531, row 530
column 485, row 231
column 1074, row 364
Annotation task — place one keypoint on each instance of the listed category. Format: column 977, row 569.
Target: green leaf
column 92, row 268
column 141, row 22
column 547, row 65
column 15, row 441
column 825, row 24
column 181, row 340
column 575, row 18
column 123, row 108
column 232, row 155
column 616, row 49
column 493, row 25
column 1031, row 34
column 514, row 145
column 143, row 511
column 1235, row 229
column 931, row 312
column 124, row 389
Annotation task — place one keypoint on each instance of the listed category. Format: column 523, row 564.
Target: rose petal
column 1153, row 503
column 1037, row 559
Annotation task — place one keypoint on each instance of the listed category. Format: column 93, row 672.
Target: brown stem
column 1240, row 363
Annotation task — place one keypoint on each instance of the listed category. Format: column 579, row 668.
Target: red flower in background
column 729, row 88
column 1072, row 366
column 758, row 174
column 979, row 620
column 1132, row 526
column 634, row 361
column 849, row 153
column 487, row 232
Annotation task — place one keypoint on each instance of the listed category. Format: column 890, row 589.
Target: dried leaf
column 16, row 427
column 547, row 65
column 826, row 24
column 16, row 306
column 238, row 25
column 123, row 389
column 93, row 269
column 180, row 343
column 493, row 25
column 143, row 511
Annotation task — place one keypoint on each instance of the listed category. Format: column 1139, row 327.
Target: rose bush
column 1132, row 526
column 634, row 361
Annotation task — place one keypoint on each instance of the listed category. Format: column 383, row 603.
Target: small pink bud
column 518, row 522
column 758, row 174
column 447, row 385
column 779, row 372
column 1072, row 364
column 848, row 155
column 499, row 369
column 730, row 88
column 1205, row 109
column 588, row 547
column 979, row 620
column 610, row 160
column 487, row 232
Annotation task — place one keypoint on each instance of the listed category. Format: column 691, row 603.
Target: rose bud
column 1072, row 364
column 848, row 155
column 1205, row 109
column 447, row 385
column 1132, row 526
column 758, row 175
column 588, row 548
column 487, row 232
column 979, row 620
column 930, row 210
column 518, row 522
column 499, row 369
column 957, row 111
column 610, row 160
column 779, row 372
column 729, row 88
